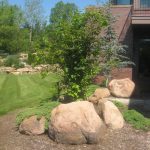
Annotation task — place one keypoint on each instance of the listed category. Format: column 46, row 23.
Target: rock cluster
column 30, row 70
column 83, row 121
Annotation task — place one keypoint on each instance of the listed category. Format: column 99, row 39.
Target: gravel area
column 124, row 139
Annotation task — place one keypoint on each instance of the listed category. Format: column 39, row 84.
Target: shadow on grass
column 141, row 105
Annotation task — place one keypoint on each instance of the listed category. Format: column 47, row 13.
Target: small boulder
column 32, row 126
column 76, row 123
column 122, row 88
column 99, row 93
column 112, row 116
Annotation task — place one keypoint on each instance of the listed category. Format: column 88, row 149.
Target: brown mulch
column 124, row 139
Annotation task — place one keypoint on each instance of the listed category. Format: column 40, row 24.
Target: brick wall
column 122, row 73
column 115, row 74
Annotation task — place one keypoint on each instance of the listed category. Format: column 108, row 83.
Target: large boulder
column 32, row 126
column 112, row 116
column 122, row 88
column 76, row 123
column 99, row 93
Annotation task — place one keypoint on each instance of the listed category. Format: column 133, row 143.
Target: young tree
column 77, row 44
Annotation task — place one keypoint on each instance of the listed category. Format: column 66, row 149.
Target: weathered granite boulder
column 112, row 116
column 122, row 88
column 32, row 126
column 76, row 123
column 99, row 93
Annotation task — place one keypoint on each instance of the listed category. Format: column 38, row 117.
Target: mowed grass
column 18, row 91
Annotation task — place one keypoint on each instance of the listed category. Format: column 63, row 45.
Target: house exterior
column 133, row 29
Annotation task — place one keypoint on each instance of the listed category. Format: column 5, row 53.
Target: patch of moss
column 42, row 110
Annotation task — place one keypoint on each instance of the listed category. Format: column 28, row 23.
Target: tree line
column 25, row 30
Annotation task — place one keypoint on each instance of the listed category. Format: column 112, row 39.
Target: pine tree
column 113, row 53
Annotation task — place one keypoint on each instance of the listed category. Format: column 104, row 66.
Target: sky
column 48, row 4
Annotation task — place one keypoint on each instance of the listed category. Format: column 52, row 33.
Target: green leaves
column 113, row 53
column 79, row 42
column 62, row 12
column 13, row 37
column 74, row 90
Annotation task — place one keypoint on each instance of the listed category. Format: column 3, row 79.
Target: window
column 145, row 3
column 123, row 2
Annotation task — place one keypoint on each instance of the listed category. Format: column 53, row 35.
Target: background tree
column 62, row 12
column 113, row 53
column 34, row 16
column 44, row 41
column 3, row 3
column 13, row 36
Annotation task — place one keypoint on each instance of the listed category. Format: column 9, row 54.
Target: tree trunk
column 30, row 35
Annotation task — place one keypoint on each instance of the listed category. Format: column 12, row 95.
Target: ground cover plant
column 44, row 109
column 133, row 117
column 25, row 90
column 13, row 61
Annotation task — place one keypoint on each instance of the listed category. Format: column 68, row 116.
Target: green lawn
column 25, row 90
